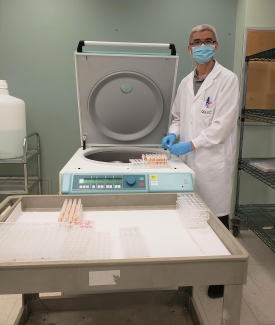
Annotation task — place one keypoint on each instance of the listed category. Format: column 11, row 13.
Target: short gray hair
column 201, row 28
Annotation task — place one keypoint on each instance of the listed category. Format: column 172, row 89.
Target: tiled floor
column 258, row 303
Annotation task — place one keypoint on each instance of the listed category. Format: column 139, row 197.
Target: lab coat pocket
column 211, row 158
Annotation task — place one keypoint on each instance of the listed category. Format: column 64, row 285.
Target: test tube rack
column 54, row 241
column 192, row 211
column 133, row 243
column 151, row 160
column 21, row 242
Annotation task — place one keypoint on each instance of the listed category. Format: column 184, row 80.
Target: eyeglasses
column 198, row 42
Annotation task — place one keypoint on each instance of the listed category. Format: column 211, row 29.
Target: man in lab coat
column 205, row 114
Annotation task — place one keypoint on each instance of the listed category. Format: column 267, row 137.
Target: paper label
column 101, row 278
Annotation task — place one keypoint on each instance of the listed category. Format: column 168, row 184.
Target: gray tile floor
column 258, row 303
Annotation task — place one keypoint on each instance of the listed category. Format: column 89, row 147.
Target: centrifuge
column 124, row 102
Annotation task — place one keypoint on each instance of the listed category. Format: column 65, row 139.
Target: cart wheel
column 235, row 231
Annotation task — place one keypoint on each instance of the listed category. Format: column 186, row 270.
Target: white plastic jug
column 12, row 124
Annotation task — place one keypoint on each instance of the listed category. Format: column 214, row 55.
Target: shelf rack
column 259, row 217
column 266, row 177
column 261, row 220
column 24, row 184
column 258, row 115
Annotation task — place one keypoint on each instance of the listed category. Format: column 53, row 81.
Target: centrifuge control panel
column 110, row 182
column 118, row 183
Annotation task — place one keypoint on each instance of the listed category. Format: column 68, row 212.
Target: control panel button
column 130, row 180
column 141, row 184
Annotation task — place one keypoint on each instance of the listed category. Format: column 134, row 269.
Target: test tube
column 72, row 211
column 78, row 210
column 143, row 158
column 66, row 214
column 63, row 209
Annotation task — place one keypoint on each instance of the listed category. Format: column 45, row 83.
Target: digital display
column 101, row 180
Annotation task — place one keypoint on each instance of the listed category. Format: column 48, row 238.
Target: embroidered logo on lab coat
column 207, row 112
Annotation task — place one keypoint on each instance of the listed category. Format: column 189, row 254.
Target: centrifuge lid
column 124, row 98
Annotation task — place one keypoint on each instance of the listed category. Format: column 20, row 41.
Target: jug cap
column 3, row 84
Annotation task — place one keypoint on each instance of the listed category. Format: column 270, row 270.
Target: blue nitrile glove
column 168, row 141
column 181, row 148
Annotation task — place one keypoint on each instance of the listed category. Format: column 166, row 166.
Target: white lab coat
column 212, row 131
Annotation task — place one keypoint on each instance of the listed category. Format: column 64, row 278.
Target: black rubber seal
column 173, row 49
column 80, row 45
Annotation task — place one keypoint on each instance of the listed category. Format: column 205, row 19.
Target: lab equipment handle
column 162, row 45
column 7, row 206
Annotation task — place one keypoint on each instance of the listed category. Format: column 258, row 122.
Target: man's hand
column 181, row 148
column 168, row 141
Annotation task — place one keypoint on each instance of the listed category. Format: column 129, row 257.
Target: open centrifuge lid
column 124, row 98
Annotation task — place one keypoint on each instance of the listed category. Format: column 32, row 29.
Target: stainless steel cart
column 142, row 291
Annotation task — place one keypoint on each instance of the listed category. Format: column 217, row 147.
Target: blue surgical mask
column 203, row 53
